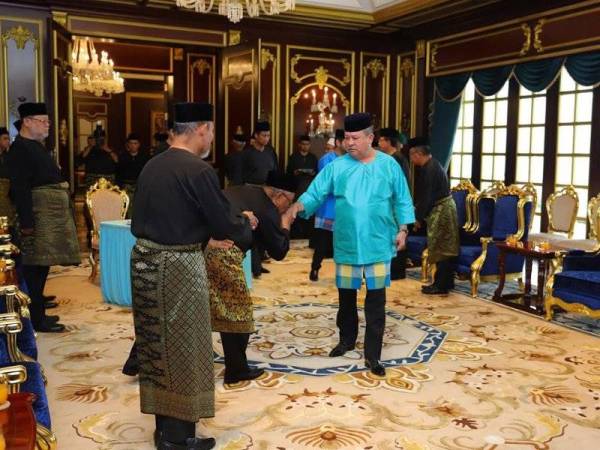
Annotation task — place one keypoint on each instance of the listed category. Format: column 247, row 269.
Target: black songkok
column 193, row 112
column 99, row 132
column 418, row 142
column 304, row 137
column 357, row 122
column 133, row 137
column 339, row 134
column 239, row 137
column 262, row 126
column 3, row 130
column 32, row 109
column 389, row 133
column 280, row 180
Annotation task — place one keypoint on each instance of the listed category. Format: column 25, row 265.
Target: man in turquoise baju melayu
column 373, row 207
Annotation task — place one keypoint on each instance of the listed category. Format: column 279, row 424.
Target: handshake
column 287, row 218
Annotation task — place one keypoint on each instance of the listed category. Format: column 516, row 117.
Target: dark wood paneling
column 595, row 147
column 477, row 140
column 511, row 132
column 138, row 58
column 550, row 143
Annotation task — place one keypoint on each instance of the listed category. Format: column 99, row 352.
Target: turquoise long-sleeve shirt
column 372, row 200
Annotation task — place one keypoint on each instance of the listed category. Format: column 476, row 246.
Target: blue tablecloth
column 116, row 242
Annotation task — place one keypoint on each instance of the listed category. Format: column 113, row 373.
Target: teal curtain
column 535, row 76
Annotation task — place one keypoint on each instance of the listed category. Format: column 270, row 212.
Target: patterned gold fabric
column 230, row 302
column 7, row 209
column 172, row 329
column 442, row 231
column 54, row 241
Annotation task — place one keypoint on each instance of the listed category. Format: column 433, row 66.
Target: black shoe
column 49, row 298
column 376, row 367
column 157, row 437
column 263, row 270
column 340, row 349
column 256, row 276
column 252, row 374
column 48, row 326
column 314, row 275
column 191, row 444
column 398, row 276
column 131, row 368
column 52, row 318
column 434, row 290
column 50, row 305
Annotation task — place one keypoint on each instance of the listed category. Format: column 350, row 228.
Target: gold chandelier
column 93, row 73
column 234, row 9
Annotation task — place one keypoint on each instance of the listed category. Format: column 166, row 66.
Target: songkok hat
column 133, row 137
column 262, row 126
column 17, row 124
column 3, row 130
column 420, row 141
column 358, row 122
column 280, row 180
column 304, row 137
column 99, row 132
column 193, row 112
column 389, row 133
column 239, row 137
column 339, row 134
column 32, row 109
column 331, row 141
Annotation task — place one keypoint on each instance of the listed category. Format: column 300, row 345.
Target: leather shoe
column 376, row 367
column 251, row 374
column 314, row 275
column 50, row 305
column 191, row 444
column 49, row 298
column 340, row 349
column 53, row 318
column 263, row 270
column 48, row 326
column 398, row 276
column 433, row 290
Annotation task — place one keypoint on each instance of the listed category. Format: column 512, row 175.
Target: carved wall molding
column 21, row 36
column 320, row 73
column 265, row 57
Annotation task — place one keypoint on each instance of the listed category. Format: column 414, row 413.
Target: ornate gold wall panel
column 202, row 83
column 406, row 92
column 375, row 86
column 269, row 99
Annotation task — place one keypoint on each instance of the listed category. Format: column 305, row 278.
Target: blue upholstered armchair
column 512, row 214
column 575, row 286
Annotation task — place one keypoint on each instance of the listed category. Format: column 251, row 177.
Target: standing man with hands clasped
column 373, row 207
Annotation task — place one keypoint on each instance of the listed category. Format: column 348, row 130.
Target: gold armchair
column 592, row 244
column 561, row 207
column 105, row 201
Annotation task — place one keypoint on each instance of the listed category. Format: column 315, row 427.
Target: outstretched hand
column 225, row 244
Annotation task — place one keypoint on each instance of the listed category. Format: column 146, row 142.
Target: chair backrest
column 106, row 202
column 482, row 205
column 513, row 213
column 561, row 207
column 594, row 217
column 460, row 193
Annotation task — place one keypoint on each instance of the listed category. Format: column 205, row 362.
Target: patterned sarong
column 7, row 209
column 54, row 241
column 172, row 330
column 376, row 276
column 442, row 231
column 230, row 302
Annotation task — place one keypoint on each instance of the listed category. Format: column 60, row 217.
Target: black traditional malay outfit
column 179, row 206
column 437, row 209
column 43, row 203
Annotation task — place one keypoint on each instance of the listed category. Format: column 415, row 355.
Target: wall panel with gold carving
column 320, row 89
column 375, row 86
column 240, row 81
column 405, row 93
column 202, row 83
column 269, row 90
column 21, row 64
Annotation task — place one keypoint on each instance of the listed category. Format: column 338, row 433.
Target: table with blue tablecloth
column 116, row 242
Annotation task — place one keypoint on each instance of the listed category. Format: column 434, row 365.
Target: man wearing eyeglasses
column 44, row 210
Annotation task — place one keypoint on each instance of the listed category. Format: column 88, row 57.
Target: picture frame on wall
column 158, row 119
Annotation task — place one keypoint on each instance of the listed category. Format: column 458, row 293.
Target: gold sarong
column 230, row 301
column 54, row 240
column 442, row 231
column 172, row 330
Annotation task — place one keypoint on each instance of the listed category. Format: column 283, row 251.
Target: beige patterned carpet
column 472, row 375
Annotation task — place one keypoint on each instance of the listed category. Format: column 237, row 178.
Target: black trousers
column 347, row 320
column 234, row 349
column 398, row 265
column 323, row 240
column 256, row 258
column 444, row 274
column 35, row 277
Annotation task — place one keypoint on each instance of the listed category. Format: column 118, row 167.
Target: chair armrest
column 15, row 375
column 10, row 323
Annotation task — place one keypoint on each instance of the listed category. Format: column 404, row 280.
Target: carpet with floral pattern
column 461, row 374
